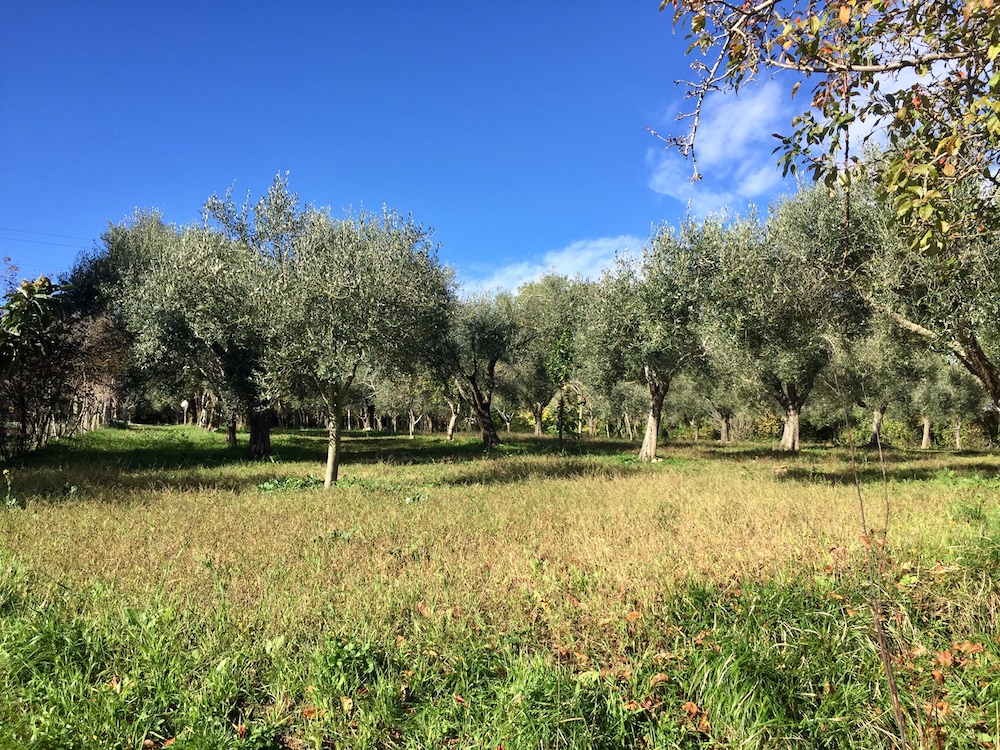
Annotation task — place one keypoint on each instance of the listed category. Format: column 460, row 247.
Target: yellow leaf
column 347, row 704
column 845, row 14
column 948, row 169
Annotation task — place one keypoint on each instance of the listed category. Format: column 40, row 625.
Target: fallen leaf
column 460, row 700
column 347, row 704
column 945, row 658
column 938, row 675
column 691, row 709
column 633, row 616
column 656, row 679
column 170, row 742
column 966, row 647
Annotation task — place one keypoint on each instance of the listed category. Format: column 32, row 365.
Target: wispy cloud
column 734, row 151
column 586, row 258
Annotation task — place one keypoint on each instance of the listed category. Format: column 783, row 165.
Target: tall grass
column 156, row 587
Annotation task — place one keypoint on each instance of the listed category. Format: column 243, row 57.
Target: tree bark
column 925, row 442
column 537, row 412
column 790, row 433
column 485, row 419
column 231, row 431
column 480, row 402
column 958, row 435
column 453, row 419
column 657, row 393
column 725, row 416
column 791, row 400
column 628, row 426
column 334, row 400
column 333, row 443
column 259, row 423
column 878, row 414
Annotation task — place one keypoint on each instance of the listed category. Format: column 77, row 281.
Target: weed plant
column 444, row 597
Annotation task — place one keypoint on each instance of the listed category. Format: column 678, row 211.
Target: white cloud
column 586, row 258
column 734, row 150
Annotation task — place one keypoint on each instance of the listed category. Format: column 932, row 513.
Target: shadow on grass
column 131, row 459
column 187, row 458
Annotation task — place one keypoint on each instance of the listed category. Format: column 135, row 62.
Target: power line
column 45, row 234
column 39, row 242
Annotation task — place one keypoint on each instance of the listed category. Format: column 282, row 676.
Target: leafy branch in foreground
column 920, row 74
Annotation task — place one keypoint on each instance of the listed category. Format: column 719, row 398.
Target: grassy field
column 156, row 591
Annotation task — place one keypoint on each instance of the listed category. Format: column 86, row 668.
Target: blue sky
column 516, row 130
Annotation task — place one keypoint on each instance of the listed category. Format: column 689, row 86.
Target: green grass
column 155, row 587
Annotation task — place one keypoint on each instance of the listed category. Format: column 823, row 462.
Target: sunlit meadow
column 159, row 591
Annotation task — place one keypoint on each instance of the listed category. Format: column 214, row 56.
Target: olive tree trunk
column 481, row 402
column 537, row 411
column 456, row 409
column 334, row 400
column 790, row 432
column 657, row 393
column 791, row 399
column 259, row 423
column 334, row 419
column 878, row 416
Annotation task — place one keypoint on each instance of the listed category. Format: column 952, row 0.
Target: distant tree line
column 274, row 312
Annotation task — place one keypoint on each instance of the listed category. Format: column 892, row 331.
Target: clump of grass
column 290, row 483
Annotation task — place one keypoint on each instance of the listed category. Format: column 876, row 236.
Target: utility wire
column 39, row 242
column 45, row 234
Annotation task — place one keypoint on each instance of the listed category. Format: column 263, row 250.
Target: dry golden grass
column 564, row 546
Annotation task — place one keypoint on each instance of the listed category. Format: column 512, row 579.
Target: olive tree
column 641, row 323
column 951, row 300
column 483, row 332
column 358, row 293
column 548, row 311
column 194, row 301
column 778, row 296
